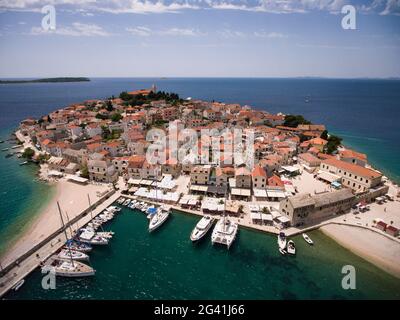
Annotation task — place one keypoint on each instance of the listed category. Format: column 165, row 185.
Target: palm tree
column 241, row 208
column 221, row 201
column 265, row 210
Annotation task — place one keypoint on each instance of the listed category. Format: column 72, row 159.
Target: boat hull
column 197, row 234
column 153, row 227
column 75, row 275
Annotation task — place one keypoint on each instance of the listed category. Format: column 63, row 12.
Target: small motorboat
column 282, row 251
column 307, row 239
column 18, row 285
column 291, row 248
column 282, row 241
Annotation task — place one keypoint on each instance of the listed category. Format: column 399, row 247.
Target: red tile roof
column 361, row 171
column 258, row 172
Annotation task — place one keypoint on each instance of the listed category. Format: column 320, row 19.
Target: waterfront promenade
column 20, row 267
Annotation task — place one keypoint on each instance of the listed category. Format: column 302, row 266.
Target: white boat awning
column 276, row 194
column 194, row 187
column 240, row 192
column 260, row 193
column 134, row 181
column 77, row 179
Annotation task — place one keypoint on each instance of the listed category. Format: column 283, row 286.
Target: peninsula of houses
column 301, row 176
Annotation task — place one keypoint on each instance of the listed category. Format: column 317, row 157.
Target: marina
column 47, row 249
column 211, row 270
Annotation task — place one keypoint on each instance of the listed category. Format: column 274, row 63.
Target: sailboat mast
column 90, row 206
column 69, row 224
column 65, row 232
column 91, row 211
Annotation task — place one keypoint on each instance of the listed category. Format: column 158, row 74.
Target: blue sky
column 200, row 38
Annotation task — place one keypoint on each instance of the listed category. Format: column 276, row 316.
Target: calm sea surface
column 165, row 264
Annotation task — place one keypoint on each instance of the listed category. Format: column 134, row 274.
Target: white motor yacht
column 282, row 242
column 201, row 228
column 158, row 219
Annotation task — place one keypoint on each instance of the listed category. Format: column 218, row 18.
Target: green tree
column 333, row 143
column 116, row 117
column 101, row 116
column 324, row 135
column 43, row 157
column 84, row 172
column 109, row 106
column 125, row 96
column 294, row 120
column 28, row 153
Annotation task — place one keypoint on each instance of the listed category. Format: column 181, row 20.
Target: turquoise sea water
column 166, row 265
column 364, row 112
column 21, row 197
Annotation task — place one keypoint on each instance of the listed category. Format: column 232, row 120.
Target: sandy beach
column 371, row 246
column 73, row 200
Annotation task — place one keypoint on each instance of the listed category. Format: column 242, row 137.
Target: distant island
column 45, row 80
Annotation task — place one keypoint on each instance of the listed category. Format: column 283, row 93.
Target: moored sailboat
column 67, row 254
column 224, row 232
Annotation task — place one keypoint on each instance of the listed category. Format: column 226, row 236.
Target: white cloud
column 140, row 31
column 383, row 7
column 145, row 6
column 76, row 30
column 180, row 32
column 226, row 33
column 143, row 31
column 392, row 7
column 263, row 34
